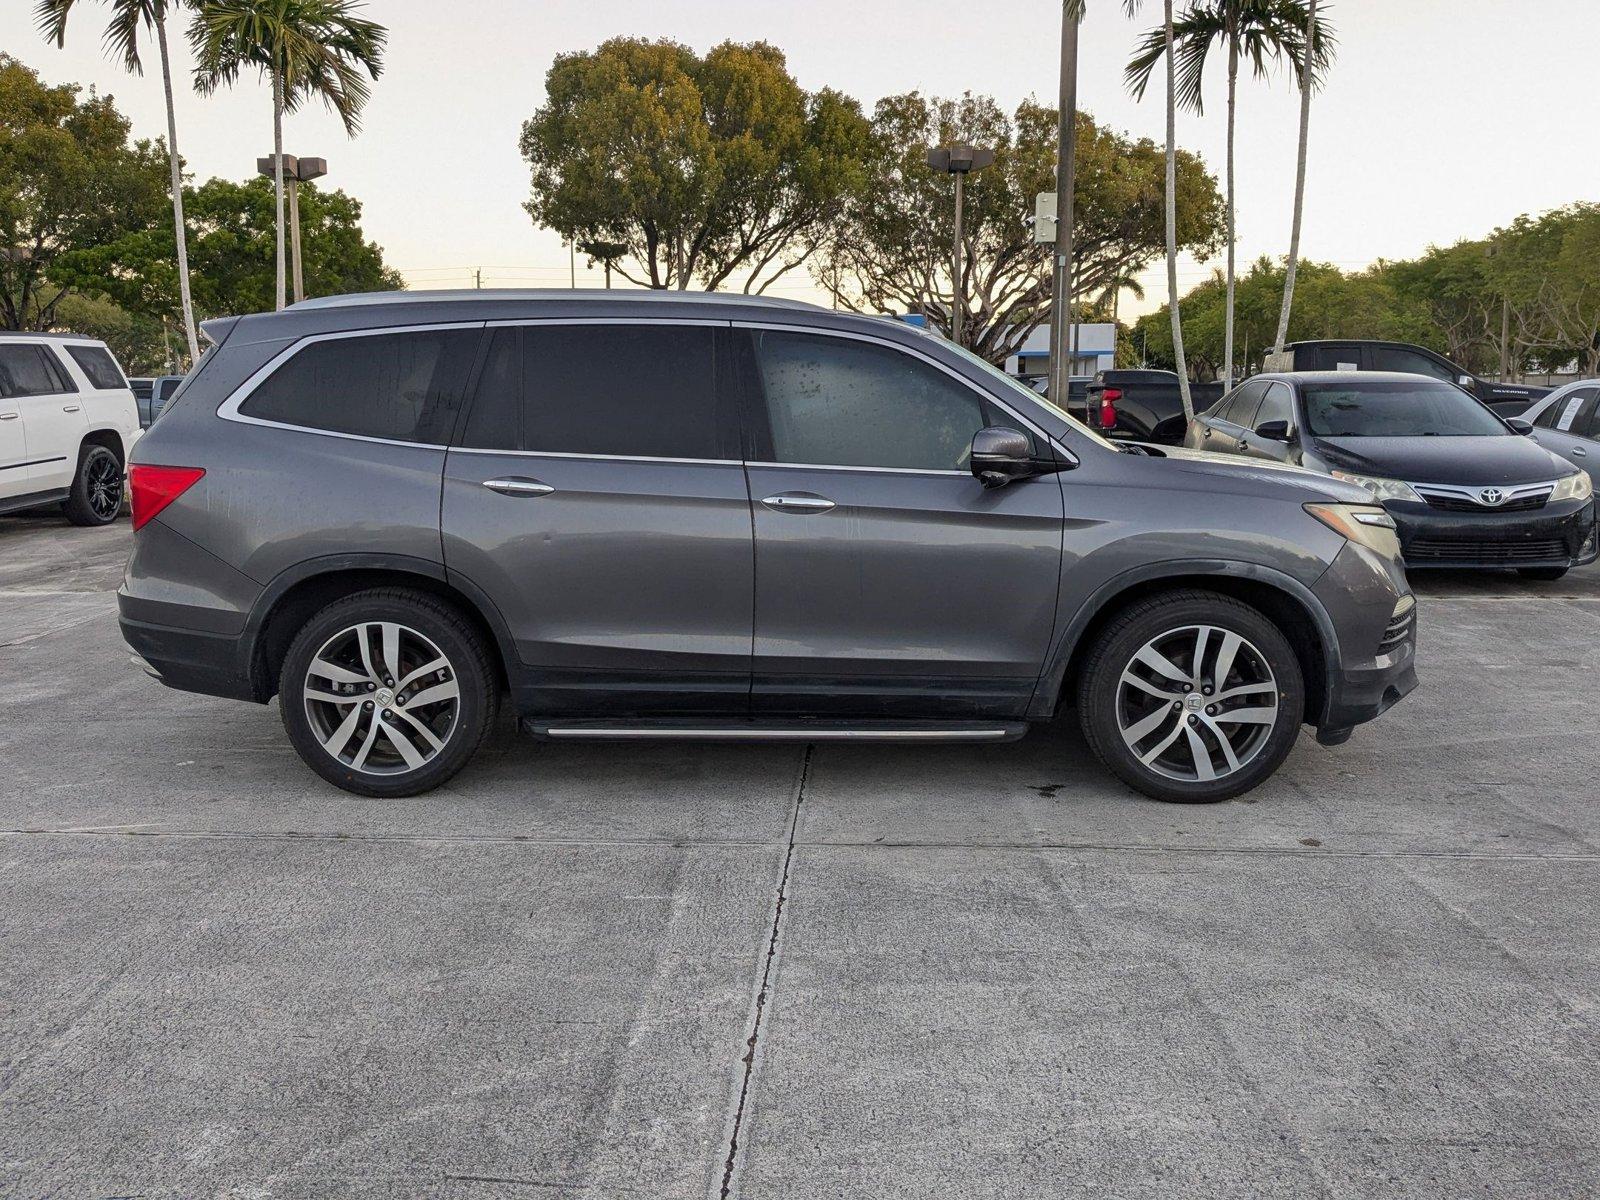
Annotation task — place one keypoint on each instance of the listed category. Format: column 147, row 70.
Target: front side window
column 26, row 369
column 1392, row 358
column 403, row 387
column 1417, row 408
column 96, row 362
column 846, row 403
column 1277, row 405
column 625, row 391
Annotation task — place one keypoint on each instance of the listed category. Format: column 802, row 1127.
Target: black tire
column 96, row 496
column 429, row 621
column 1548, row 574
column 1101, row 693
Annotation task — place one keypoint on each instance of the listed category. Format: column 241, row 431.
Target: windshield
column 1021, row 389
column 1409, row 408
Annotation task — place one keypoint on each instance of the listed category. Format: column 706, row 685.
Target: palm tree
column 306, row 48
column 1257, row 31
column 1315, row 57
column 121, row 37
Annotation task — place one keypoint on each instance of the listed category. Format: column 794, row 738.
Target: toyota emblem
column 1491, row 496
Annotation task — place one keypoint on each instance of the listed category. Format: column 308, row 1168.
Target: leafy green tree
column 69, row 180
column 307, row 49
column 1260, row 32
column 703, row 168
column 144, row 345
column 128, row 19
column 233, row 253
column 1545, row 269
column 891, row 249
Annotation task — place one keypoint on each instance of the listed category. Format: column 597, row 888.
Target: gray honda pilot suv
column 658, row 515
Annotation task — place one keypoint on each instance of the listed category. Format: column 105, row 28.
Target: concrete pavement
column 968, row 971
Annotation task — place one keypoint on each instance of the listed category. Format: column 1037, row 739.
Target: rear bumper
column 1557, row 535
column 209, row 663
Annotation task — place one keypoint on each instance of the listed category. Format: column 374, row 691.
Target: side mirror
column 1000, row 455
column 1525, row 428
column 1274, row 431
column 1467, row 381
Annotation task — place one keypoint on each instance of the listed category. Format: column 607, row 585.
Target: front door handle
column 798, row 502
column 9, row 416
column 517, row 485
column 1578, row 452
column 1205, row 432
column 1243, row 445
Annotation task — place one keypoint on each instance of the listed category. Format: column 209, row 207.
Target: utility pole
column 1066, row 168
column 572, row 246
column 959, row 161
column 1505, row 339
column 477, row 279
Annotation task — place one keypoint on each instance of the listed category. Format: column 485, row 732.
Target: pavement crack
column 731, row 1164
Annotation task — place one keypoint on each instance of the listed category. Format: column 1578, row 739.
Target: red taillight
column 1108, row 407
column 153, row 488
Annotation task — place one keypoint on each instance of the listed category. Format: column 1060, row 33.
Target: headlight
column 1383, row 489
column 1365, row 525
column 1574, row 487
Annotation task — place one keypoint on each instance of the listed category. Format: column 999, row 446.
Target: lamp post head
column 960, row 160
column 291, row 164
column 311, row 168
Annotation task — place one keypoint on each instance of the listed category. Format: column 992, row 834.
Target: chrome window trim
column 228, row 410
column 706, row 462
column 918, row 354
column 512, row 322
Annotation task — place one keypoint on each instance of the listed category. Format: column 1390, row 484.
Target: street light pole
column 959, row 161
column 1060, row 384
column 295, row 172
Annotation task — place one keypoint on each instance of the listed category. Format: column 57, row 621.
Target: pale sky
column 1442, row 118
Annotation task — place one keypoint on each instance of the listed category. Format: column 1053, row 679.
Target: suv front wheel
column 1191, row 696
column 387, row 692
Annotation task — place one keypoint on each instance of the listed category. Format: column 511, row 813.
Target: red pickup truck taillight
column 1108, row 407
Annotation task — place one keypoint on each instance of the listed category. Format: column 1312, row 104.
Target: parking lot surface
column 845, row 971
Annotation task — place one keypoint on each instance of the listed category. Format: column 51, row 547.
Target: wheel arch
column 290, row 600
column 1285, row 601
column 108, row 437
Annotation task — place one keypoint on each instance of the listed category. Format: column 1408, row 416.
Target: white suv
column 67, row 422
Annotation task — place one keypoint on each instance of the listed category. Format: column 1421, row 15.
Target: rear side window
column 629, row 391
column 405, row 387
column 1240, row 406
column 96, row 362
column 29, row 369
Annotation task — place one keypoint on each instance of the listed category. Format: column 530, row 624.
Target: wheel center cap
column 384, row 697
column 1194, row 702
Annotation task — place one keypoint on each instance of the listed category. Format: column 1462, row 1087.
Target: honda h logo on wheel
column 1491, row 496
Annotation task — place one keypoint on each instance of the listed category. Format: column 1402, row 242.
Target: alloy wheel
column 1197, row 703
column 102, row 478
column 381, row 698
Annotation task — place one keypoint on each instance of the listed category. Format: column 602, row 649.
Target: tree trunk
column 1172, row 224
column 277, row 176
column 177, row 191
column 1299, row 180
column 1227, row 331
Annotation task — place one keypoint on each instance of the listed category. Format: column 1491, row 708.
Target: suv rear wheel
column 1191, row 696
column 96, row 496
column 387, row 692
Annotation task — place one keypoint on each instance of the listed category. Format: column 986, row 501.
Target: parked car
column 67, row 423
column 1144, row 406
column 1465, row 487
column 1567, row 422
column 1507, row 399
column 652, row 515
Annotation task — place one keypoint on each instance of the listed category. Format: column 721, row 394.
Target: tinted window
column 1587, row 421
column 1392, row 358
column 30, row 370
column 1277, row 405
column 1567, row 412
column 1330, row 358
column 1381, row 409
column 96, row 362
column 638, row 391
column 402, row 386
column 1240, row 404
column 840, row 402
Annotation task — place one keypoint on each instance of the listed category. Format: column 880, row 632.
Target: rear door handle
column 69, row 408
column 9, row 416
column 1578, row 452
column 517, row 485
column 798, row 502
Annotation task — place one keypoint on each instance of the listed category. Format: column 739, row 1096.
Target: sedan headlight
column 1574, row 487
column 1366, row 525
column 1382, row 489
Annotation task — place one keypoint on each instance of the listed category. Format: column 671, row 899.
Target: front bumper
column 1367, row 598
column 1560, row 534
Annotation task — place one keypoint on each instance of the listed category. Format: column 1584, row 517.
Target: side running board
column 779, row 731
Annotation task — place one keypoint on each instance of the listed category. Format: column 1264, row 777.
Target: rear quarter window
column 96, row 362
column 404, row 387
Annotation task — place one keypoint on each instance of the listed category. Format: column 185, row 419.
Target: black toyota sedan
column 1466, row 488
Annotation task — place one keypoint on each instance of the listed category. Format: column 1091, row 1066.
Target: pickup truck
column 1507, row 399
column 1144, row 406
